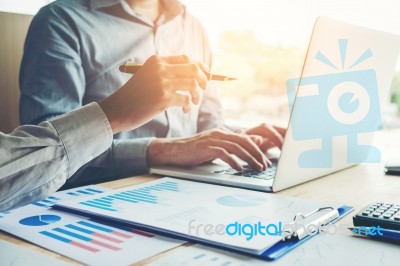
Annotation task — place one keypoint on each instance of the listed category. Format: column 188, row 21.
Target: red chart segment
column 69, row 241
column 90, row 236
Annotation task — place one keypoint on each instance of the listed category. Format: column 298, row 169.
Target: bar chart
column 88, row 241
column 84, row 192
column 147, row 195
column 47, row 203
column 93, row 236
column 63, row 195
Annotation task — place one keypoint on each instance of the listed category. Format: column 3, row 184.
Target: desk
column 356, row 186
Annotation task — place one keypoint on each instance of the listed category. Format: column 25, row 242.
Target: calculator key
column 386, row 216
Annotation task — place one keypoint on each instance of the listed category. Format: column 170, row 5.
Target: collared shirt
column 72, row 56
column 37, row 160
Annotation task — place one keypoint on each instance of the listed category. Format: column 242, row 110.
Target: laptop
column 329, row 130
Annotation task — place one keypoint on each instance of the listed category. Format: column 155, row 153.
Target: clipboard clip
column 295, row 231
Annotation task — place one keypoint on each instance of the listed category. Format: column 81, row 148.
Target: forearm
column 125, row 157
column 36, row 160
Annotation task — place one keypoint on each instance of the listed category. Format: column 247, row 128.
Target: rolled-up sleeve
column 131, row 156
column 37, row 160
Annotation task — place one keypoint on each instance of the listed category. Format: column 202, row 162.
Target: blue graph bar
column 107, row 198
column 94, row 190
column 140, row 195
column 139, row 198
column 123, row 198
column 104, row 200
column 48, row 201
column 80, row 229
column 78, row 236
column 98, row 227
column 60, row 238
column 170, row 185
column 53, row 198
column 118, row 226
column 155, row 188
column 97, row 202
column 97, row 206
column 40, row 204
column 84, row 192
column 199, row 256
column 69, row 241
column 94, row 226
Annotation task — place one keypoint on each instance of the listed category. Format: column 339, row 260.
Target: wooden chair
column 13, row 29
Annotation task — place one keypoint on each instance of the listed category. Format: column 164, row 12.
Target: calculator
column 385, row 215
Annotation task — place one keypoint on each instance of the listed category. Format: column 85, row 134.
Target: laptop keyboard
column 268, row 173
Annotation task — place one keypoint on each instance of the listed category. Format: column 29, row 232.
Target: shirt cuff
column 130, row 156
column 85, row 134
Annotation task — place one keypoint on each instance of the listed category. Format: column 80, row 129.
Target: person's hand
column 205, row 147
column 271, row 136
column 161, row 83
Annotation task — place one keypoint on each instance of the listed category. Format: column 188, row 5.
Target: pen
column 376, row 232
column 132, row 68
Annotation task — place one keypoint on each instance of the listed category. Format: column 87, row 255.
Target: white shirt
column 35, row 161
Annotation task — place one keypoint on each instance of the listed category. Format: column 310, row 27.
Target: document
column 327, row 250
column 86, row 240
column 199, row 211
column 16, row 255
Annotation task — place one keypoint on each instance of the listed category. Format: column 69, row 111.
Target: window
column 263, row 43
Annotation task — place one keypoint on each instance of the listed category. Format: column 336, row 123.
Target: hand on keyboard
column 249, row 172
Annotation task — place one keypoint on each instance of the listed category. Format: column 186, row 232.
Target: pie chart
column 40, row 220
column 243, row 200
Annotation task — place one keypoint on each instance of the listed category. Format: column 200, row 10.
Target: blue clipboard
column 282, row 247
column 276, row 251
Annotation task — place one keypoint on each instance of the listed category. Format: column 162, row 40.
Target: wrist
column 109, row 111
column 160, row 152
